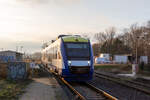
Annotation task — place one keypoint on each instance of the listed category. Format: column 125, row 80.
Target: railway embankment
column 43, row 87
column 38, row 86
column 124, row 86
column 11, row 90
column 123, row 70
column 120, row 89
column 13, row 79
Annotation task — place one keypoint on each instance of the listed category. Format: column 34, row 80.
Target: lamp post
column 136, row 51
column 135, row 65
column 136, row 55
column 138, row 37
column 21, row 47
column 2, row 49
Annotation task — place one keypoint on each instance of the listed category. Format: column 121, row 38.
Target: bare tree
column 110, row 32
column 106, row 37
column 101, row 37
column 44, row 45
column 86, row 35
column 135, row 38
column 37, row 56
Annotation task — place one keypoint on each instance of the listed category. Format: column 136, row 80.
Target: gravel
column 119, row 91
column 87, row 92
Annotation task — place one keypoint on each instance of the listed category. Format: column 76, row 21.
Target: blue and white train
column 71, row 57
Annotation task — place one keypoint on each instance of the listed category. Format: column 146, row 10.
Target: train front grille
column 79, row 69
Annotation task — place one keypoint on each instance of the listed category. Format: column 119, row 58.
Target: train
column 71, row 56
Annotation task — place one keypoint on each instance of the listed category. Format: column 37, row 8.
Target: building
column 12, row 56
column 120, row 59
column 144, row 59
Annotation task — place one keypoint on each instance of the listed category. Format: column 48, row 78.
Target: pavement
column 44, row 88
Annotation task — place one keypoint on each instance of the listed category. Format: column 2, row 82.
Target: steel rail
column 69, row 86
column 66, row 83
column 138, row 83
column 89, row 85
column 110, row 97
column 80, row 96
column 132, row 82
column 114, row 79
column 74, row 90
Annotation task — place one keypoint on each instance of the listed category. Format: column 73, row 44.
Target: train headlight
column 89, row 63
column 69, row 63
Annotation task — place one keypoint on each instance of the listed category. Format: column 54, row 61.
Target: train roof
column 74, row 39
column 67, row 38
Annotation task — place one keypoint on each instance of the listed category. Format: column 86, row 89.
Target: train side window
column 58, row 55
column 44, row 56
column 53, row 53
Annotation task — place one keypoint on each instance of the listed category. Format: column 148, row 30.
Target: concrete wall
column 17, row 70
column 3, row 70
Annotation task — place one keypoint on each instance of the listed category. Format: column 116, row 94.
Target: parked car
column 102, row 60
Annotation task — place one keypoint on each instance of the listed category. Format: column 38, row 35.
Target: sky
column 29, row 23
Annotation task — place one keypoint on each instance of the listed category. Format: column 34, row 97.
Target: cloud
column 28, row 46
column 56, row 2
column 33, row 1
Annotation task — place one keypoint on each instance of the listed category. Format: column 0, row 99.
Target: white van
column 102, row 60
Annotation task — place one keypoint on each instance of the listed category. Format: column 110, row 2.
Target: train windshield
column 77, row 51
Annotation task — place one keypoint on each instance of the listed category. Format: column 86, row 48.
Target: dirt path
column 44, row 88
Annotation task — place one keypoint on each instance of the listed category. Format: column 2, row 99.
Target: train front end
column 77, row 59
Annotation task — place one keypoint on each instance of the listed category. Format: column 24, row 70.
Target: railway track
column 128, row 83
column 85, row 91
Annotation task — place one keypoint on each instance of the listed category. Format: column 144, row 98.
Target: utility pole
column 21, row 47
column 136, row 53
column 16, row 48
column 2, row 49
column 137, row 50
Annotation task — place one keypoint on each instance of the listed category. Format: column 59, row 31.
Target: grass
column 115, row 68
column 122, row 68
column 10, row 90
column 105, row 66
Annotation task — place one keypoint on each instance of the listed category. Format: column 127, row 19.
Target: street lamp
column 136, row 51
column 2, row 49
column 21, row 47
column 138, row 37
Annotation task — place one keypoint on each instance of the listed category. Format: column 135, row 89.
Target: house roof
column 11, row 52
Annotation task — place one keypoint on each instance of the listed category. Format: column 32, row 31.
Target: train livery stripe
column 74, row 39
column 92, row 62
column 63, row 53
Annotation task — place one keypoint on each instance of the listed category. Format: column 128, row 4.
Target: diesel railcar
column 71, row 56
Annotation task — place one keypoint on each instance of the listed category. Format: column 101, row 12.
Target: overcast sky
column 28, row 23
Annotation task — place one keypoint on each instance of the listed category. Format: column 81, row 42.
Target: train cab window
column 77, row 50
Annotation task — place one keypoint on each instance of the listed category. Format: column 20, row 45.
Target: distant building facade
column 121, row 58
column 10, row 56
